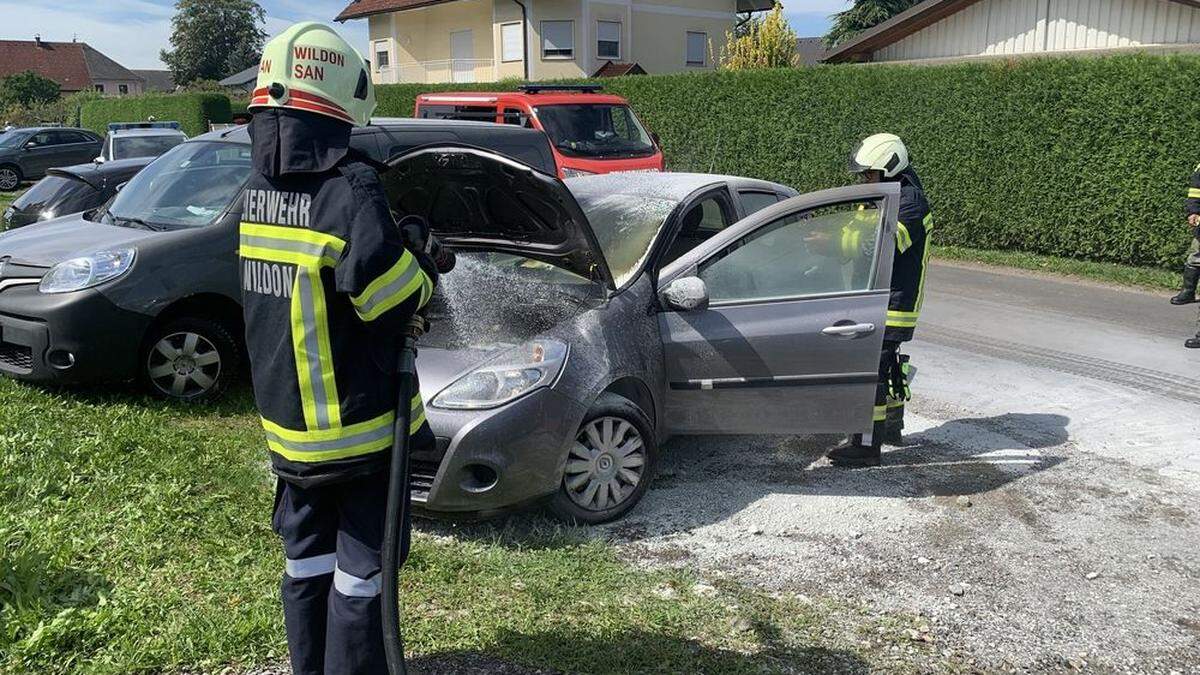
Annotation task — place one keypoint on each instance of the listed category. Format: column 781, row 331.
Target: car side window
column 754, row 201
column 826, row 250
column 699, row 223
column 61, row 138
column 41, row 139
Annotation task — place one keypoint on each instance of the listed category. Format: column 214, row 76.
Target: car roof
column 146, row 132
column 40, row 129
column 241, row 134
column 664, row 185
column 556, row 98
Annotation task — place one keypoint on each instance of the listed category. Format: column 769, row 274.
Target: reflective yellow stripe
column 924, row 262
column 879, row 414
column 897, row 403
column 299, row 331
column 289, row 245
column 903, row 238
column 294, row 234
column 392, row 288
column 321, row 318
column 902, row 319
column 322, row 445
column 1193, row 193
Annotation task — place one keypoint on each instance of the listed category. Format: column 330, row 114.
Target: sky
column 133, row 31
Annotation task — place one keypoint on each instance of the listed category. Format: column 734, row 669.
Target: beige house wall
column 653, row 34
column 113, row 87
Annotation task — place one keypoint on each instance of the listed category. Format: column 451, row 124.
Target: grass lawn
column 134, row 536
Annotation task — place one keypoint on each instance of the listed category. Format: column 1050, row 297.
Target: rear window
column 52, row 190
column 143, row 146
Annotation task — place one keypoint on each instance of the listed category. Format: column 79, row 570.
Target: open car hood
column 476, row 200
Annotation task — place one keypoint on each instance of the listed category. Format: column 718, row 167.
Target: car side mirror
column 685, row 294
column 30, row 145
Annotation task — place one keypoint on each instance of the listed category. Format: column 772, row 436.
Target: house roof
column 614, row 69
column 811, row 50
column 906, row 23
column 242, row 78
column 73, row 65
column 358, row 9
column 157, row 80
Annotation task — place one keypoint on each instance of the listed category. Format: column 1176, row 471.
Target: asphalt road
column 1043, row 513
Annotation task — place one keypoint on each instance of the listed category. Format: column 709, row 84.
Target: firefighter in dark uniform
column 883, row 157
column 329, row 287
column 1191, row 266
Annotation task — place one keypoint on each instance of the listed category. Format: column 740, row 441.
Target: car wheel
column 610, row 464
column 10, row 178
column 189, row 359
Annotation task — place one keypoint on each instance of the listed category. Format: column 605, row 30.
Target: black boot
column 851, row 453
column 1187, row 294
column 893, row 426
column 1193, row 343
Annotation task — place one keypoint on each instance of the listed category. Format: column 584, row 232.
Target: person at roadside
column 884, row 157
column 1191, row 265
column 329, row 286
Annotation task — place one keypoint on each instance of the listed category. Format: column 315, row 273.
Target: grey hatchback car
column 590, row 319
column 27, row 153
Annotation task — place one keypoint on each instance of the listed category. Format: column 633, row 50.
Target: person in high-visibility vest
column 1191, row 265
column 329, row 287
column 884, row 157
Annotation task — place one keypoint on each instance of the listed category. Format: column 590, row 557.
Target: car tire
column 189, row 359
column 10, row 178
column 615, row 452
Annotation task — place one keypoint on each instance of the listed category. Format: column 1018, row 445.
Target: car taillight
column 568, row 172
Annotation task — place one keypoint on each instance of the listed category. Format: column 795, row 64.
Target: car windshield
column 11, row 139
column 189, row 186
column 143, row 146
column 595, row 130
column 626, row 220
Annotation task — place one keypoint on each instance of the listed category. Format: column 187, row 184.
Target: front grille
column 420, row 477
column 16, row 357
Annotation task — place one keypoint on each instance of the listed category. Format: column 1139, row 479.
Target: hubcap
column 607, row 462
column 184, row 365
column 8, row 179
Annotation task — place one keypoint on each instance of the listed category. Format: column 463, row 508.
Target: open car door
column 478, row 200
column 776, row 324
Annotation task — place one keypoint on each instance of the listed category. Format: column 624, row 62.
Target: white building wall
column 1000, row 27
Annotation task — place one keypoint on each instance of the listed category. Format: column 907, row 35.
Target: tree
column 863, row 15
column 213, row 39
column 27, row 89
column 766, row 42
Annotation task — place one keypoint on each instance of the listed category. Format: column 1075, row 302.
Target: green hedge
column 192, row 111
column 1078, row 157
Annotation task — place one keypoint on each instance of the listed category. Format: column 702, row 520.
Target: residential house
column 242, row 81
column 810, row 50
column 75, row 66
column 956, row 29
column 490, row 40
column 156, row 80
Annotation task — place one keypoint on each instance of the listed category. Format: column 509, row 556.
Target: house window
column 512, row 42
column 100, row 88
column 697, row 49
column 123, row 89
column 608, row 40
column 558, row 39
column 383, row 55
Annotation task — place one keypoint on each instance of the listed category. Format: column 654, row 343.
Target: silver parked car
column 589, row 320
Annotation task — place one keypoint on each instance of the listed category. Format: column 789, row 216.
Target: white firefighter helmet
column 310, row 67
column 882, row 152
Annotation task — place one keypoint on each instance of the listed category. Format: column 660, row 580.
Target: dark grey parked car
column 147, row 287
column 26, row 154
column 588, row 320
column 71, row 189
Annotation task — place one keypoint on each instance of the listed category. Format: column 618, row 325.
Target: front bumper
column 492, row 461
column 67, row 338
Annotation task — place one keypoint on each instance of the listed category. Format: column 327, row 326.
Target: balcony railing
column 433, row 72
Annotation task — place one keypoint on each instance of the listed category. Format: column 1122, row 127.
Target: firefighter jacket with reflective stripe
column 911, row 259
column 328, row 287
column 1193, row 197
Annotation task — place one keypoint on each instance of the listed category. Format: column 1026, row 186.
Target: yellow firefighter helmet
column 310, row 67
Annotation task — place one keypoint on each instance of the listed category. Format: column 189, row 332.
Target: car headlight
column 506, row 378
column 86, row 271
column 568, row 172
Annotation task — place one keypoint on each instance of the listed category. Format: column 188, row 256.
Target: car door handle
column 848, row 330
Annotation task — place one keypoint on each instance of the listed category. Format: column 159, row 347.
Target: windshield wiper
column 135, row 221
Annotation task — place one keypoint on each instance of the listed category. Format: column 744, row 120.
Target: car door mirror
column 29, row 145
column 685, row 294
